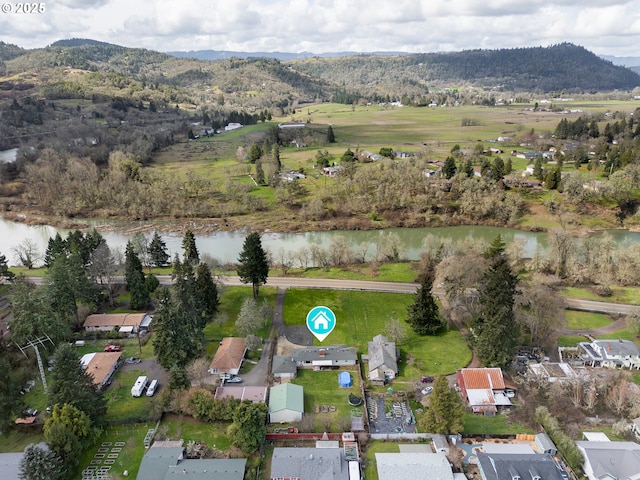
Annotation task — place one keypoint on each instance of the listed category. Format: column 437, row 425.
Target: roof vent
column 514, row 474
column 534, row 474
column 322, row 352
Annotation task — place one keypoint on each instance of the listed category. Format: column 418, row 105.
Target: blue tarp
column 344, row 379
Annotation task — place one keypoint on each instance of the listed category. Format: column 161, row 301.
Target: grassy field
column 586, row 320
column 16, row 440
column 362, row 315
column 498, row 425
column 630, row 295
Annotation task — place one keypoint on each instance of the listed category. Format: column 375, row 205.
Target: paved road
column 294, row 282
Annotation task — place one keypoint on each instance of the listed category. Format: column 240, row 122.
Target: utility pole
column 34, row 344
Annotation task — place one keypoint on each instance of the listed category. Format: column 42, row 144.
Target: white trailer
column 139, row 386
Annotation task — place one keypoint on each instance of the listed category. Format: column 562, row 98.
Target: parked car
column 427, row 390
column 234, row 380
column 113, row 348
column 426, row 379
column 132, row 360
column 31, row 412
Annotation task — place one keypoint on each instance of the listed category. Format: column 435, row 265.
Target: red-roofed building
column 483, row 389
column 228, row 359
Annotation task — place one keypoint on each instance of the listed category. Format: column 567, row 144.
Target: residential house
column 332, row 171
column 253, row 394
column 483, row 389
column 229, row 356
column 164, row 461
column 495, row 466
column 286, row 403
column 309, row 464
column 552, row 372
column 611, row 353
column 382, row 360
column 290, row 125
column 413, row 466
column 124, row 323
column 331, row 356
column 610, row 460
column 101, row 366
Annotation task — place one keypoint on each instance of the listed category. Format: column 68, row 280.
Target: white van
column 153, row 386
column 139, row 386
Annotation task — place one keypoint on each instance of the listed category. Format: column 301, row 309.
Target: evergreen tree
column 206, row 291
column 177, row 337
column 553, row 179
column 497, row 169
column 259, row 172
column 423, row 315
column 331, row 138
column 55, row 247
column 495, row 332
column 449, row 167
column 248, row 428
column 468, row 168
column 5, row 273
column 67, row 431
column 253, row 263
column 71, row 384
column 446, row 411
column 134, row 280
column 41, row 464
column 69, row 285
column 537, row 169
column 508, row 167
column 348, row 156
column 189, row 248
column 158, row 251
column 255, row 153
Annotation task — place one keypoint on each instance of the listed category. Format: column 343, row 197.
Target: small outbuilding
column 344, row 379
column 286, row 403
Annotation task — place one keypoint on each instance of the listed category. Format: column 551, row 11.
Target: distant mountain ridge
column 282, row 56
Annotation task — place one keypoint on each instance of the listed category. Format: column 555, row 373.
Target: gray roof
column 283, row 365
column 309, row 464
column 382, row 353
column 331, row 352
column 543, row 440
column 620, row 460
column 164, row 463
column 208, row 469
column 10, row 465
column 413, row 466
column 496, row 466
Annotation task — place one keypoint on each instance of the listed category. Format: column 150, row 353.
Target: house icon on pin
column 321, row 322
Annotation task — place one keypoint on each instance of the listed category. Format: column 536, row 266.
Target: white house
column 611, row 353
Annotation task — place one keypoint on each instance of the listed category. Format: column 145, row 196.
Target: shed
column 344, row 379
column 286, row 403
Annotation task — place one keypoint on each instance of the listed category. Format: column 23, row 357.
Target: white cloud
column 603, row 26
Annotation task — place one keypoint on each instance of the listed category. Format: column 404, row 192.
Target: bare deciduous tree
column 197, row 371
column 27, row 253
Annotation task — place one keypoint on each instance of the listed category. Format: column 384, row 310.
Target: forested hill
column 559, row 68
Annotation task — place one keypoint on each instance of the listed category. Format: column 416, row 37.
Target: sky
column 605, row 27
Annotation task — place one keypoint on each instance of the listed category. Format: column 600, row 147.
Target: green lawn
column 231, row 299
column 586, row 320
column 321, row 388
column 17, row 439
column 176, row 427
column 570, row 340
column 130, row 455
column 388, row 272
column 630, row 295
column 121, row 406
column 362, row 315
column 498, row 425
